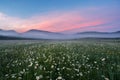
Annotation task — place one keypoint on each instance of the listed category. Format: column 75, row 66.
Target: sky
column 66, row 16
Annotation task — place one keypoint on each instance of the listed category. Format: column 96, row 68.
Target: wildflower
column 58, row 69
column 39, row 77
column 63, row 68
column 37, row 64
column 30, row 64
column 6, row 75
column 95, row 62
column 21, row 72
column 97, row 68
column 52, row 66
column 87, row 58
column 59, row 78
column 81, row 74
column 44, row 68
column 103, row 59
column 77, row 70
column 35, row 67
column 19, row 78
column 13, row 76
column 106, row 78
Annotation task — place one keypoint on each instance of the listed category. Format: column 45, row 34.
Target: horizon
column 60, row 16
column 59, row 32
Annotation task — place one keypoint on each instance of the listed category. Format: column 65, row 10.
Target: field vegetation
column 60, row 60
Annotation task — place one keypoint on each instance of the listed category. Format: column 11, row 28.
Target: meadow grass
column 60, row 60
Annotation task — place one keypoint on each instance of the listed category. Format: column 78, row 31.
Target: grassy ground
column 60, row 60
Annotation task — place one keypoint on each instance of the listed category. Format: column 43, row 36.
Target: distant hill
column 95, row 32
column 40, row 34
column 8, row 33
column 31, row 34
column 34, row 30
column 117, row 32
column 92, row 32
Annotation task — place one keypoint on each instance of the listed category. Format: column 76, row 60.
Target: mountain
column 8, row 33
column 95, row 34
column 117, row 32
column 40, row 34
column 92, row 32
column 34, row 30
column 41, row 31
column 35, row 34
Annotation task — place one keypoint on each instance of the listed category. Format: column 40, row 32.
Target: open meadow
column 60, row 59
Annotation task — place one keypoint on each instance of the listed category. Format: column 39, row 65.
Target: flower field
column 60, row 60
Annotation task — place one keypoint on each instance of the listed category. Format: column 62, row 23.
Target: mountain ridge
column 41, row 34
column 41, row 31
column 97, row 32
column 36, row 30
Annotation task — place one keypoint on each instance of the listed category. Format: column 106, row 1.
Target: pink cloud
column 54, row 21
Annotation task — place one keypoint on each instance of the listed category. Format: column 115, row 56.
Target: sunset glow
column 76, row 19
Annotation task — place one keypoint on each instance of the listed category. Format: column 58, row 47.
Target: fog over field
column 39, row 34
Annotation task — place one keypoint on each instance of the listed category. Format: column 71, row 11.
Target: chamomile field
column 60, row 60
